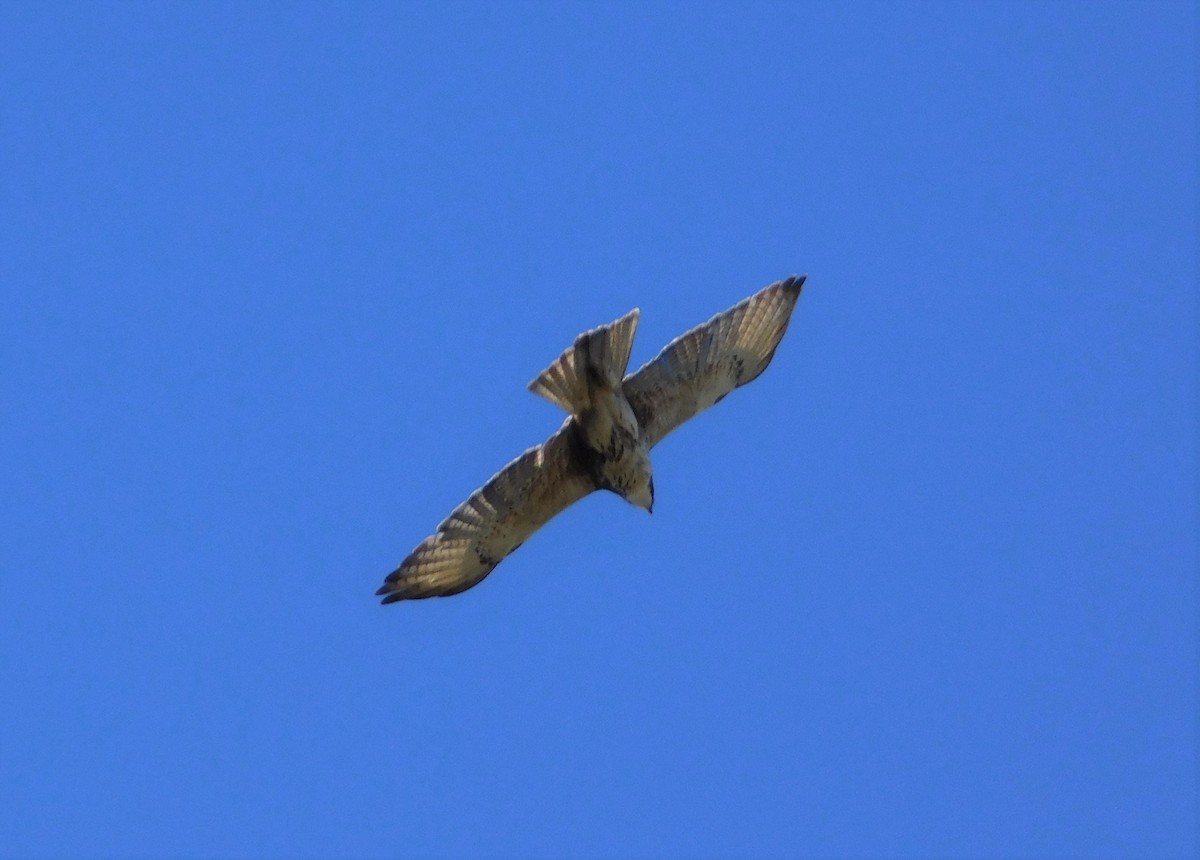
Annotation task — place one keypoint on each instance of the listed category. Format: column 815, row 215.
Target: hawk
column 604, row 444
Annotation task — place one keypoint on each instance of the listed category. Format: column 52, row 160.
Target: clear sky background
column 274, row 279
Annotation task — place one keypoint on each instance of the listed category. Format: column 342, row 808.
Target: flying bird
column 604, row 444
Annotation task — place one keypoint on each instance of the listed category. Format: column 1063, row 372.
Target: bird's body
column 614, row 420
column 611, row 431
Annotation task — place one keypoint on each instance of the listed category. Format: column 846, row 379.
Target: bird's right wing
column 496, row 519
column 700, row 367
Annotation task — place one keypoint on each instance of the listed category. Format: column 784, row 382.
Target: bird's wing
column 698, row 368
column 496, row 519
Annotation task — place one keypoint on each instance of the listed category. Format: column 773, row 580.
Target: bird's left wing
column 496, row 519
column 701, row 366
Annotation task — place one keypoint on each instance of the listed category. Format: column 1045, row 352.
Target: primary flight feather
column 613, row 422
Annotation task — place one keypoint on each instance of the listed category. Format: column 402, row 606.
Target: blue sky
column 274, row 279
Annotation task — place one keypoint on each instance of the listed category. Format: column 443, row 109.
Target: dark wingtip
column 391, row 597
column 389, row 591
column 795, row 282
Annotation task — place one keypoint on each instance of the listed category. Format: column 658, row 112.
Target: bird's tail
column 598, row 358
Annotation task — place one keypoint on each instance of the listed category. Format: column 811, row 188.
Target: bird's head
column 642, row 495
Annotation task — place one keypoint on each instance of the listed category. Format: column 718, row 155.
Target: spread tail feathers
column 597, row 358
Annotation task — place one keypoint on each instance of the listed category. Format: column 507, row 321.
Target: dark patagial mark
column 484, row 559
column 582, row 456
column 596, row 464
